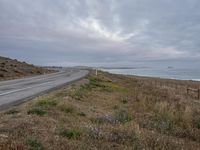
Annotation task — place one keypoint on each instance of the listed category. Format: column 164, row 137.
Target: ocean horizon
column 166, row 73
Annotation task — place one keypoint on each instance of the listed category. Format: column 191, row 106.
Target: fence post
column 199, row 93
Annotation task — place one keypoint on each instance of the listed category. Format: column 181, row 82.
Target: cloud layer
column 104, row 33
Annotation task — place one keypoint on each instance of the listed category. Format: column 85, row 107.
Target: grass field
column 107, row 112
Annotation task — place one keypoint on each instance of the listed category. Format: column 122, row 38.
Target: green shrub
column 164, row 117
column 78, row 93
column 95, row 83
column 122, row 116
column 34, row 144
column 42, row 106
column 164, row 121
column 70, row 134
column 47, row 103
column 37, row 111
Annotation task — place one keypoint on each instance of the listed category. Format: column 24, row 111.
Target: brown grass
column 107, row 112
column 12, row 69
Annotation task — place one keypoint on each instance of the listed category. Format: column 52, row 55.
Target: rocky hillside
column 11, row 69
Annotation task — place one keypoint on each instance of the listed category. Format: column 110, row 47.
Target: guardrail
column 189, row 90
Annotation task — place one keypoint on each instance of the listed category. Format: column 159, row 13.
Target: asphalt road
column 14, row 92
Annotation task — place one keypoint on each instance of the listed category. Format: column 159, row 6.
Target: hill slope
column 11, row 69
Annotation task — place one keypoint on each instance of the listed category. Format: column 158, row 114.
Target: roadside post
column 96, row 72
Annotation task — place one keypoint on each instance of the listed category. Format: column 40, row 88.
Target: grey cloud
column 107, row 32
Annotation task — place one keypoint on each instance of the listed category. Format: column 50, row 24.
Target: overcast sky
column 101, row 32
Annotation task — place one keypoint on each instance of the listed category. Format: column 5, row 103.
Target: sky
column 101, row 32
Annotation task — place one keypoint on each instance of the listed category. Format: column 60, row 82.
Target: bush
column 164, row 122
column 78, row 93
column 164, row 118
column 41, row 107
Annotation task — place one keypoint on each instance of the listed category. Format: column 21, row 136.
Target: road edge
column 19, row 102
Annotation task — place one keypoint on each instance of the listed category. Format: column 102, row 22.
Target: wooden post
column 199, row 93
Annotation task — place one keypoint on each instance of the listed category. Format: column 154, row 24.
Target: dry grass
column 107, row 112
column 13, row 69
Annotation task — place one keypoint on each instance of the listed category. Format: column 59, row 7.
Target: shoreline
column 117, row 72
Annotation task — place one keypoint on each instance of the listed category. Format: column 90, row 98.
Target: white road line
column 18, row 90
column 39, row 78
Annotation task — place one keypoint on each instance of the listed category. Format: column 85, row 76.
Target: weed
column 105, row 119
column 70, row 134
column 67, row 109
column 122, row 116
column 94, row 132
column 82, row 114
column 115, row 87
column 41, row 107
column 98, row 84
column 124, row 100
column 197, row 124
column 163, row 118
column 46, row 103
column 79, row 93
column 12, row 111
column 163, row 122
column 61, row 94
column 123, row 136
column 95, row 82
column 115, row 107
column 37, row 111
column 34, row 144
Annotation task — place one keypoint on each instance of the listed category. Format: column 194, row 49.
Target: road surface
column 14, row 92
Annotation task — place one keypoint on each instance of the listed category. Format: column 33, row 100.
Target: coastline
column 156, row 73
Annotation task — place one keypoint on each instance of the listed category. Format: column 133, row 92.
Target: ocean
column 168, row 73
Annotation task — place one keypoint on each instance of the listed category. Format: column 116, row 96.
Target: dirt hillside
column 12, row 69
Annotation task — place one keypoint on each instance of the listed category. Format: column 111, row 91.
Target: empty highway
column 14, row 92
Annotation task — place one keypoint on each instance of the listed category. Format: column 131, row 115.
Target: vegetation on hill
column 11, row 69
column 107, row 112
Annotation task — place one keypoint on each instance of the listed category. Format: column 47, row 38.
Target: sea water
column 169, row 73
